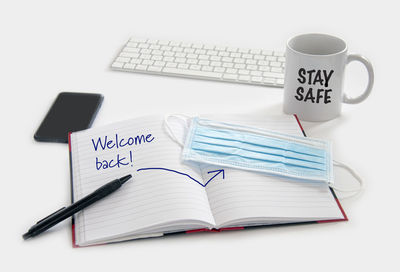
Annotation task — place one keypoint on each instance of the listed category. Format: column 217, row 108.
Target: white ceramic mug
column 314, row 73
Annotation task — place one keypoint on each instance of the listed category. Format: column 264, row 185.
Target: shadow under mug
column 314, row 73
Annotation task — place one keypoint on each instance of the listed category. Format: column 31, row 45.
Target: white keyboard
column 202, row 61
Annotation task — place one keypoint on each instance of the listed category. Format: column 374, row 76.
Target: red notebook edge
column 74, row 245
column 345, row 218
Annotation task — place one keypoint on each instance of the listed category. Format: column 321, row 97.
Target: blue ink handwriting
column 107, row 143
column 184, row 174
column 116, row 142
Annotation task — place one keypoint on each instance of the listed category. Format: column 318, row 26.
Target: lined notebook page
column 151, row 199
column 245, row 197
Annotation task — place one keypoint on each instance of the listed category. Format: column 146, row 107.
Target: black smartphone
column 70, row 112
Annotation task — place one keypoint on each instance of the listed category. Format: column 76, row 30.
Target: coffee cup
column 314, row 75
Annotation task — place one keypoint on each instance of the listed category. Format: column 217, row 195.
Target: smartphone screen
column 70, row 112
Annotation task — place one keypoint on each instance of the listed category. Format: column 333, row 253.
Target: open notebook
column 165, row 196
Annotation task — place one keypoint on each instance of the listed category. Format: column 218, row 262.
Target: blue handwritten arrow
column 184, row 174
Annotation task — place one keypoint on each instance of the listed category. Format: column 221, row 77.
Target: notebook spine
column 74, row 245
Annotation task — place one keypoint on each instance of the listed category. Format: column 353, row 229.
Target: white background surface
column 48, row 46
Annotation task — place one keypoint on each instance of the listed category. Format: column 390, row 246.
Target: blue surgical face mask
column 258, row 150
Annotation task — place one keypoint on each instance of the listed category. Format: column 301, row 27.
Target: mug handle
column 370, row 70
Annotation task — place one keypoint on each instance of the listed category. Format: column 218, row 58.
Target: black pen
column 66, row 212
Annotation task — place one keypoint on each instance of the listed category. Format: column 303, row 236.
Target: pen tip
column 125, row 179
column 26, row 236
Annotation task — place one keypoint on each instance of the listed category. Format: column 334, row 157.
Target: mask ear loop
column 355, row 175
column 167, row 126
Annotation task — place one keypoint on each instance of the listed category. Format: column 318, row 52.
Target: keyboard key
column 276, row 69
column 279, row 81
column 215, row 58
column 194, row 67
column 180, row 55
column 168, row 59
column 197, row 46
column 186, row 44
column 204, row 57
column 134, row 50
column 141, row 67
column 215, row 63
column 129, row 66
column 156, row 57
column 122, row 59
column 244, row 78
column 163, row 42
column 192, row 56
column 239, row 66
column 223, row 54
column 136, row 61
column 171, row 64
column 168, row 53
column 147, row 62
column 230, row 76
column 159, row 63
column 192, row 73
column 270, row 58
column 132, row 44
column 204, row 62
column 145, row 56
column 256, row 79
column 154, row 46
column 166, row 48
column 273, row 75
column 174, row 43
column 267, row 52
column 129, row 54
column 227, row 64
column 251, row 61
column 255, row 51
column 157, row 52
column 227, row 59
column 183, row 66
column 180, row 60
column 275, row 64
column 244, row 72
column 117, row 65
column 207, row 68
column 256, row 73
column 269, row 80
column 200, row 51
column 212, row 52
column 154, row 68
column 219, row 69
column 188, row 50
column 177, row 49
column 279, row 54
column 231, row 71
column 192, row 61
column 143, row 45
column 238, row 60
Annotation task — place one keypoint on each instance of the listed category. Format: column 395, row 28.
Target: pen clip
column 50, row 215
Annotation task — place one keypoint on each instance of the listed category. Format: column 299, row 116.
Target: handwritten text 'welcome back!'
column 122, row 158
